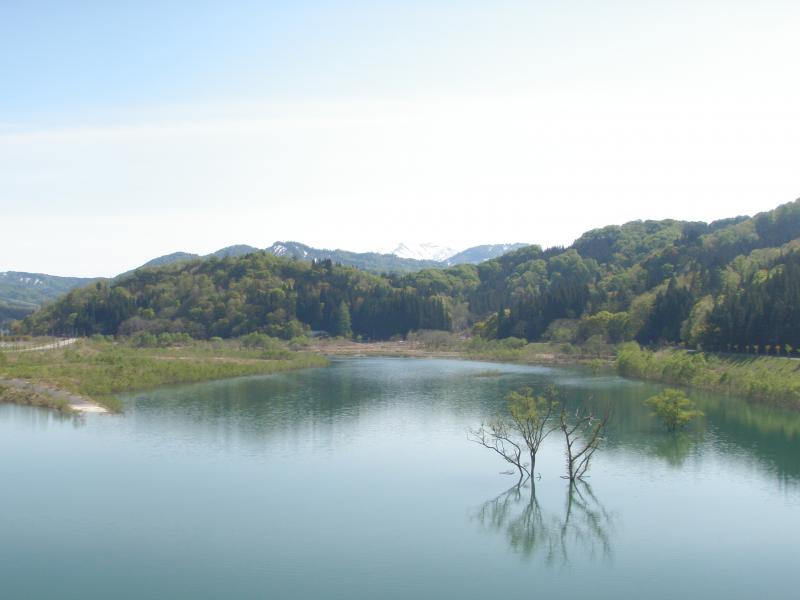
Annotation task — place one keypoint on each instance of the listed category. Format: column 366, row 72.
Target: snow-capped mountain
column 424, row 251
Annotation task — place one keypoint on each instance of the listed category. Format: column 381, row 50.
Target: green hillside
column 22, row 293
column 732, row 284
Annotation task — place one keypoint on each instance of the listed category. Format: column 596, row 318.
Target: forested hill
column 732, row 284
column 236, row 295
column 21, row 293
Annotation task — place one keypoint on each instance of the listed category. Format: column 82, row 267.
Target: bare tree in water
column 520, row 434
column 583, row 434
column 496, row 435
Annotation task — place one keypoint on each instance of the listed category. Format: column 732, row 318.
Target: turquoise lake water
column 358, row 481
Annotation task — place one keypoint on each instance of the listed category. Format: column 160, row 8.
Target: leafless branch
column 496, row 436
column 583, row 434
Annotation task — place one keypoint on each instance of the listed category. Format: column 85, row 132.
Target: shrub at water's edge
column 773, row 380
column 98, row 369
column 514, row 350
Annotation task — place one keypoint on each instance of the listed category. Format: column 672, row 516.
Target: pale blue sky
column 130, row 130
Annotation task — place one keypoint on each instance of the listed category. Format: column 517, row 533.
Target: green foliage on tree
column 519, row 434
column 532, row 417
column 759, row 311
column 673, row 408
column 670, row 309
column 343, row 326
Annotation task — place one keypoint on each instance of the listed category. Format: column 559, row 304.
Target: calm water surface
column 357, row 481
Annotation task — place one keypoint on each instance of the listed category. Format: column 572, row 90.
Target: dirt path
column 12, row 347
column 75, row 402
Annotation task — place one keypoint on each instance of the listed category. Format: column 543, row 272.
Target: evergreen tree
column 343, row 327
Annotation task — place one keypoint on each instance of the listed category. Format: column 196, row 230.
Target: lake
column 358, row 481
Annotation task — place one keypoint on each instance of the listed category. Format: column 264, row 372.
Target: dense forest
column 729, row 285
column 23, row 293
column 234, row 296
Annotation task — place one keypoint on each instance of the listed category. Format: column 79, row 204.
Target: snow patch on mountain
column 424, row 251
column 22, row 278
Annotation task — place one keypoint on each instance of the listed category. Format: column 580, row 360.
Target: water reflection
column 673, row 448
column 39, row 418
column 581, row 528
column 213, row 481
column 322, row 405
column 765, row 435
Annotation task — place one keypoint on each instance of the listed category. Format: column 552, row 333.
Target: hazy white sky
column 380, row 122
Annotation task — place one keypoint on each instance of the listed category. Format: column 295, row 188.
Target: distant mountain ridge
column 479, row 254
column 369, row 261
column 448, row 256
column 168, row 259
column 30, row 288
column 22, row 293
column 424, row 251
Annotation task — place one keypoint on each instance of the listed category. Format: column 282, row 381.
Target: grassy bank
column 769, row 379
column 446, row 345
column 538, row 353
column 29, row 397
column 99, row 369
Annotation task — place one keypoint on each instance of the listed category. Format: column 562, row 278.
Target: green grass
column 99, row 370
column 768, row 379
column 516, row 351
column 27, row 397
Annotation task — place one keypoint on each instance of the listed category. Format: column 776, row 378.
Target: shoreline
column 27, row 393
column 90, row 385
column 770, row 384
column 763, row 380
column 403, row 349
column 86, row 377
column 48, row 393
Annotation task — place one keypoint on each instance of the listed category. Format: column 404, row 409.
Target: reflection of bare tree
column 586, row 522
column 583, row 526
